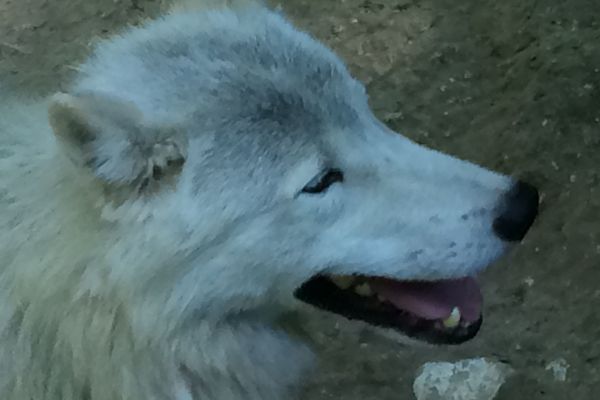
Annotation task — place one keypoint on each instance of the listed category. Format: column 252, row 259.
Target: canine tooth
column 364, row 290
column 453, row 320
column 343, row 281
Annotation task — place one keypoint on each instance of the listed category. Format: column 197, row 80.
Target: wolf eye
column 321, row 182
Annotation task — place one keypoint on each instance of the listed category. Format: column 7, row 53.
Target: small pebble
column 529, row 281
column 558, row 368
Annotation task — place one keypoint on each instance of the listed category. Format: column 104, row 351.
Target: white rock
column 558, row 368
column 473, row 379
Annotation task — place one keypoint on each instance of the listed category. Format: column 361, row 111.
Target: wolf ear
column 109, row 137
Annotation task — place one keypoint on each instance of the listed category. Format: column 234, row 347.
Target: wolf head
column 241, row 162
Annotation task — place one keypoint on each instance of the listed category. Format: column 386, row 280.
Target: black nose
column 518, row 213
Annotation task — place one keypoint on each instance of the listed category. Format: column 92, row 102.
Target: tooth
column 363, row 290
column 343, row 281
column 453, row 320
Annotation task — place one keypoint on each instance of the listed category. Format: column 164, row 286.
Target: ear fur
column 108, row 136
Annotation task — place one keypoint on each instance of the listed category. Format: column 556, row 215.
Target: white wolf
column 208, row 172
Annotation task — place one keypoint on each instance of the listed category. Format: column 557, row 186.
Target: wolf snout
column 518, row 211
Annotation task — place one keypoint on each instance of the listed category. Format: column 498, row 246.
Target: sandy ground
column 512, row 85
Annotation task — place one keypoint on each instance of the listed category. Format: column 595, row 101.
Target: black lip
column 324, row 294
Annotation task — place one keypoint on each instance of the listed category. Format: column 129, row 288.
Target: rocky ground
column 512, row 85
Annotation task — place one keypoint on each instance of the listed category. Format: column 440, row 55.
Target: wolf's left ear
column 109, row 137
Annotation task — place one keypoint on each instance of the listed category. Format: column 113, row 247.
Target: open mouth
column 440, row 312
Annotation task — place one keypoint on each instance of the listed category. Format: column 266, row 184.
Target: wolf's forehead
column 251, row 67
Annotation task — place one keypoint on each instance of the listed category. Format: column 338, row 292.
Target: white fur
column 117, row 284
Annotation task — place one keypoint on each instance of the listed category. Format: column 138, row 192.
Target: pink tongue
column 433, row 300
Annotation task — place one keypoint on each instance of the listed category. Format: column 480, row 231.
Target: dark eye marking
column 323, row 181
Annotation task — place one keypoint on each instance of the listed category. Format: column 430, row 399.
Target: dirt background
column 513, row 85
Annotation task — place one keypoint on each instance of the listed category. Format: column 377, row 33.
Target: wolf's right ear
column 109, row 137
